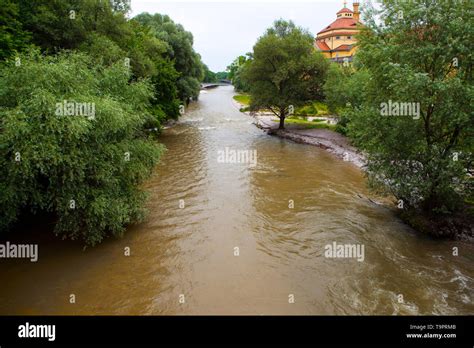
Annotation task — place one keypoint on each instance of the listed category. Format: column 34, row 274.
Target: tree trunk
column 282, row 123
column 282, row 119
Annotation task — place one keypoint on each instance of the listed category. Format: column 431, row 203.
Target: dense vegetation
column 83, row 92
column 419, row 52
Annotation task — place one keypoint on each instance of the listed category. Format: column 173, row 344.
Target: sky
column 225, row 29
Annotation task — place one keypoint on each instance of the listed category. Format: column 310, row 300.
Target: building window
column 349, row 37
column 338, row 37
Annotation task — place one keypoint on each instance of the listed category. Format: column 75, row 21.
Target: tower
column 356, row 11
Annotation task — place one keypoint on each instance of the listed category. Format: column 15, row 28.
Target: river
column 220, row 238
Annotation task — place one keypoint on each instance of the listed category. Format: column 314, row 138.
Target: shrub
column 84, row 170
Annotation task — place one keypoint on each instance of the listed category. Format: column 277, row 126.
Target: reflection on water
column 202, row 212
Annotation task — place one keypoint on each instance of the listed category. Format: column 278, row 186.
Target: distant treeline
column 210, row 76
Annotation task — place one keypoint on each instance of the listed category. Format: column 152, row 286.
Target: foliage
column 135, row 72
column 74, row 166
column 343, row 92
column 419, row 52
column 66, row 24
column 342, row 87
column 180, row 49
column 165, row 89
column 313, row 109
column 101, row 29
column 285, row 71
column 235, row 73
column 12, row 36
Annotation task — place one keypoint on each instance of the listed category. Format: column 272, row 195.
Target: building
column 337, row 41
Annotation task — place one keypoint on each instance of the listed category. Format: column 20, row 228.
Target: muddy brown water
column 191, row 251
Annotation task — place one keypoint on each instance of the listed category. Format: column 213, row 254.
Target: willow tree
column 73, row 144
column 285, row 70
column 419, row 52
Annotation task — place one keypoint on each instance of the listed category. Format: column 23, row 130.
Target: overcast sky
column 225, row 29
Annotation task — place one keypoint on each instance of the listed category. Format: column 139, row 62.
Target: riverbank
column 458, row 227
column 331, row 141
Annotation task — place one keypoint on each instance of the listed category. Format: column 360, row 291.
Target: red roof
column 344, row 47
column 322, row 46
column 341, row 23
column 345, row 10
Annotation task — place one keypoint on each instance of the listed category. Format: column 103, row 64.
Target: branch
column 276, row 114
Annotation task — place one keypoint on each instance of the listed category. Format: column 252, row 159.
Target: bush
column 83, row 169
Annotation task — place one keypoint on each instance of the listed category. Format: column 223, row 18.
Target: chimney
column 356, row 11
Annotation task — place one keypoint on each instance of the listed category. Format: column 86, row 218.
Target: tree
column 101, row 29
column 12, row 36
column 66, row 24
column 73, row 144
column 180, row 49
column 235, row 72
column 419, row 54
column 165, row 90
column 343, row 92
column 285, row 71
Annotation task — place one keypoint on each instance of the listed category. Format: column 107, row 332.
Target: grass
column 313, row 109
column 242, row 99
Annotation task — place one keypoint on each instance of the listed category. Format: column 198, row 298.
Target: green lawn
column 243, row 99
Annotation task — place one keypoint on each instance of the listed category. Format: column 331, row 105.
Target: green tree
column 235, row 72
column 85, row 168
column 66, row 24
column 12, row 36
column 101, row 29
column 343, row 92
column 235, row 65
column 285, row 71
column 165, row 100
column 419, row 52
column 180, row 49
